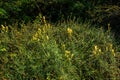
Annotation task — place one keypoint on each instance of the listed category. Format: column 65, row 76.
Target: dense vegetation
column 59, row 40
column 66, row 51
column 99, row 12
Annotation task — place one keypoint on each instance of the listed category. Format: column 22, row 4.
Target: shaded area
column 100, row 12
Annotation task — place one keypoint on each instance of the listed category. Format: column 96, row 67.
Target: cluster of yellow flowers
column 111, row 49
column 39, row 34
column 68, row 54
column 96, row 50
column 46, row 28
column 4, row 28
column 108, row 48
column 42, row 31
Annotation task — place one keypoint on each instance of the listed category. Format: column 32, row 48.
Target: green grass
column 67, row 51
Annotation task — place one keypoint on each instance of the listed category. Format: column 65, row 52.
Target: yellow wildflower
column 39, row 31
column 68, row 55
column 113, row 52
column 35, row 37
column 67, row 52
column 72, row 55
column 3, row 28
column 37, row 34
column 47, row 37
column 43, row 17
column 94, row 52
column 69, row 31
column 95, row 47
column 6, row 29
column 44, row 21
column 99, row 50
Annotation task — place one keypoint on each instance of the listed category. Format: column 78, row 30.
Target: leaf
column 2, row 11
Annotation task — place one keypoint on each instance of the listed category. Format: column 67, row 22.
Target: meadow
column 63, row 51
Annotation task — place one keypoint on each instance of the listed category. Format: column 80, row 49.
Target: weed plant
column 68, row 51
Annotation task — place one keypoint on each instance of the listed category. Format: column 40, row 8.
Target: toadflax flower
column 69, row 31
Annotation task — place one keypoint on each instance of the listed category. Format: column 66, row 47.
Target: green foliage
column 2, row 13
column 68, row 51
column 104, row 15
column 55, row 10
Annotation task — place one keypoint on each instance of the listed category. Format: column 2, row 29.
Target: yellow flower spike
column 67, row 53
column 72, row 55
column 47, row 37
column 44, row 21
column 69, row 31
column 35, row 37
column 43, row 17
column 39, row 31
column 3, row 28
column 6, row 29
column 100, row 50
column 94, row 52
column 113, row 52
column 44, row 29
column 95, row 47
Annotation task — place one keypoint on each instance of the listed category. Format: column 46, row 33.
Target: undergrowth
column 67, row 51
